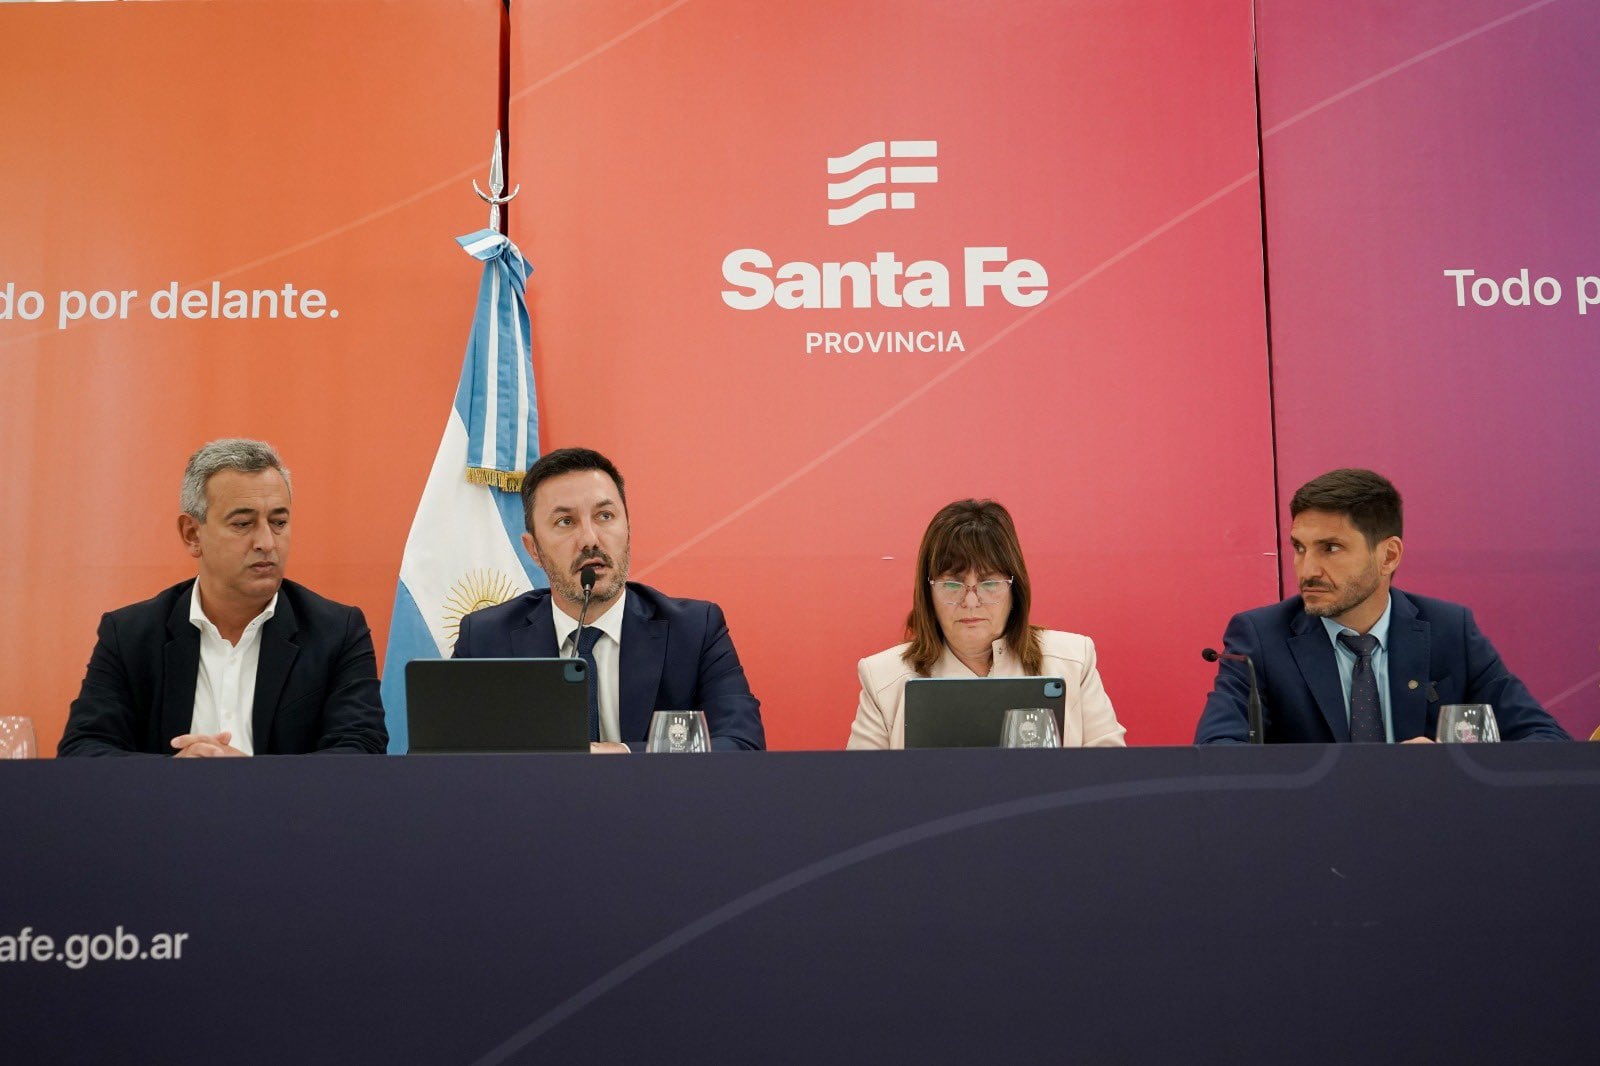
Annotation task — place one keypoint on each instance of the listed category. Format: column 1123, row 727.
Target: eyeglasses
column 954, row 593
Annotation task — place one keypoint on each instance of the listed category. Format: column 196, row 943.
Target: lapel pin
column 1412, row 684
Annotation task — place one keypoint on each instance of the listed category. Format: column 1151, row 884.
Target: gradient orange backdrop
column 327, row 144
column 1124, row 422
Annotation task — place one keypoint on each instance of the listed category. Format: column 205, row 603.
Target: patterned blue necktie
column 1366, row 714
column 586, row 644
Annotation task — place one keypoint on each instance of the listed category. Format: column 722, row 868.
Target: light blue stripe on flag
column 496, row 394
column 409, row 634
column 510, row 505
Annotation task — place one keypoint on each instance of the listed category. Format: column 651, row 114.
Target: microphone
column 1211, row 655
column 586, row 578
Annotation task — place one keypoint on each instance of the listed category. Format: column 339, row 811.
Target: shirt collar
column 197, row 616
column 1380, row 628
column 609, row 623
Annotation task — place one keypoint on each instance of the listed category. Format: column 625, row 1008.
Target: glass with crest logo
column 1467, row 723
column 16, row 738
column 678, row 732
column 1030, row 727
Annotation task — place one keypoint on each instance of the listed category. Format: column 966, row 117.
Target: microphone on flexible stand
column 586, row 577
column 1211, row 655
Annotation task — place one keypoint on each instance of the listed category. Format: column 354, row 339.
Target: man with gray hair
column 237, row 660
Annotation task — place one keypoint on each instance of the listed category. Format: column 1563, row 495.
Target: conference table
column 1286, row 904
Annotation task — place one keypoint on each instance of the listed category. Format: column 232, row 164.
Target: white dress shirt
column 225, row 688
column 607, row 658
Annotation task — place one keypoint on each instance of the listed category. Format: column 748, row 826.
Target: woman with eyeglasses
column 969, row 618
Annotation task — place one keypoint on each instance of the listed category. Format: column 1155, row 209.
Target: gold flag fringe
column 504, row 480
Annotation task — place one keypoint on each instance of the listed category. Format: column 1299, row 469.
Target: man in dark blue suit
column 649, row 652
column 1350, row 657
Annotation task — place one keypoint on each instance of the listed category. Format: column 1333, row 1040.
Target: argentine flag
column 465, row 549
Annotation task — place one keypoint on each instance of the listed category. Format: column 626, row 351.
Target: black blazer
column 316, row 682
column 676, row 656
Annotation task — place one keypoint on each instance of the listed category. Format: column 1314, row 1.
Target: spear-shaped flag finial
column 497, row 185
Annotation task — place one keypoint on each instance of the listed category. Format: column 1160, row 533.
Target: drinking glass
column 1467, row 723
column 16, row 739
column 673, row 732
column 1030, row 727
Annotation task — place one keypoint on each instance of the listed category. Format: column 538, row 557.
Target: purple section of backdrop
column 1399, row 144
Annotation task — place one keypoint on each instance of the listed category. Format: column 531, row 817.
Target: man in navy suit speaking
column 1352, row 658
column 648, row 652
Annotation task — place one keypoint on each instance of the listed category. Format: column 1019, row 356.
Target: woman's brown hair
column 970, row 535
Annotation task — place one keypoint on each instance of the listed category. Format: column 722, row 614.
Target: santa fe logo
column 755, row 279
column 847, row 191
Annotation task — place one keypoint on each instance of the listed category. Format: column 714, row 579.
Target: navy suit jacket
column 676, row 656
column 316, row 679
column 1437, row 656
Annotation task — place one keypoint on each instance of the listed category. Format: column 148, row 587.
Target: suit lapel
column 536, row 639
column 1409, row 654
column 1313, row 653
column 180, row 672
column 278, row 653
column 644, row 653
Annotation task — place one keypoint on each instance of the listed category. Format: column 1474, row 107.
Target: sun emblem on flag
column 475, row 590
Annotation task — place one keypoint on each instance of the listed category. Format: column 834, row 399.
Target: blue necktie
column 586, row 644
column 1366, row 714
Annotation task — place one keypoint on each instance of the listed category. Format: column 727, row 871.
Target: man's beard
column 569, row 586
column 1344, row 601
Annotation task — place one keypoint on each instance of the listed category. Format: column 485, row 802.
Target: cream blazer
column 1090, row 721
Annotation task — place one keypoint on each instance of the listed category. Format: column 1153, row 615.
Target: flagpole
column 464, row 551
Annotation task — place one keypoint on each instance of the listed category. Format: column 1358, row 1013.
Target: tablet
column 970, row 712
column 484, row 705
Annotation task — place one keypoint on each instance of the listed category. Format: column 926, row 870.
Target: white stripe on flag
column 483, row 243
column 457, row 532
